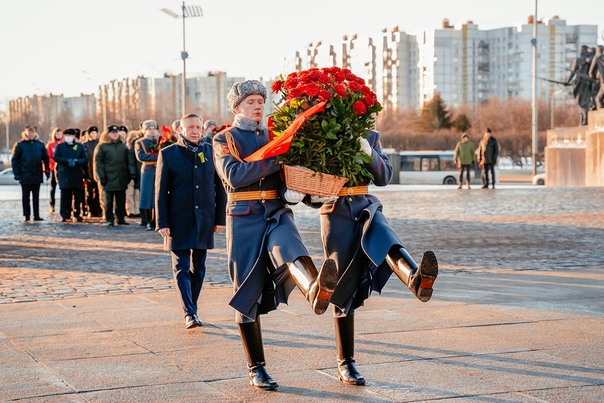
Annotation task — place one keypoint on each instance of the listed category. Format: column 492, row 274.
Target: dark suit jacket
column 190, row 199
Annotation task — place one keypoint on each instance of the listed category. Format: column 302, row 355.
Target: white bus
column 431, row 168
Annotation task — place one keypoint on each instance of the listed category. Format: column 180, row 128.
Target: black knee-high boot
column 347, row 372
column 418, row 279
column 317, row 287
column 251, row 337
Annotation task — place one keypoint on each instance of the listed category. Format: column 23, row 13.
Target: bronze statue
column 596, row 73
column 581, row 81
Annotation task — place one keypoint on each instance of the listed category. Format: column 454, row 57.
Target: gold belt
column 150, row 163
column 354, row 190
column 253, row 195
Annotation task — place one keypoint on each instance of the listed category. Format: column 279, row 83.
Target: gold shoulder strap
column 232, row 146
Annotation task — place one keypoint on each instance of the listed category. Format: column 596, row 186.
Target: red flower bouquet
column 327, row 109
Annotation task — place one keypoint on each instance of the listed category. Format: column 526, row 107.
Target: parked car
column 7, row 177
column 539, row 179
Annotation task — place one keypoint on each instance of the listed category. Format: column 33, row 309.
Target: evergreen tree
column 435, row 115
column 462, row 123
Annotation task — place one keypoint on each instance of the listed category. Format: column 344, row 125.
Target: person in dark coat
column 146, row 150
column 266, row 256
column 367, row 251
column 29, row 161
column 70, row 157
column 190, row 207
column 93, row 198
column 113, row 170
column 488, row 152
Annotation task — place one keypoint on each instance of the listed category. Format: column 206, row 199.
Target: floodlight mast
column 187, row 12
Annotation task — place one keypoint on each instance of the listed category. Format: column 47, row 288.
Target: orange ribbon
column 281, row 144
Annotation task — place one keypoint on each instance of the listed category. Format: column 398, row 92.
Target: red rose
column 360, row 80
column 324, row 95
column 340, row 90
column 339, row 76
column 303, row 77
column 295, row 93
column 276, row 87
column 366, row 91
column 291, row 83
column 311, row 89
column 359, row 108
column 369, row 101
column 313, row 74
column 354, row 86
column 324, row 79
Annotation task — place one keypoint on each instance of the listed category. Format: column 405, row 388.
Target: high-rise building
column 467, row 66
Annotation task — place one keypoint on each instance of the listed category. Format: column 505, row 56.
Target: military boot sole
column 428, row 271
column 327, row 280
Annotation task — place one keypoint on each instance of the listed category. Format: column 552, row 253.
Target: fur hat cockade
column 242, row 90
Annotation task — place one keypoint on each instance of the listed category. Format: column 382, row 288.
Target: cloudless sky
column 72, row 46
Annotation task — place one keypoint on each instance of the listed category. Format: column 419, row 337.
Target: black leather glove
column 103, row 182
column 133, row 178
column 17, row 178
column 71, row 163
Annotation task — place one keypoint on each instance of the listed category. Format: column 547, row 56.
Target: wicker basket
column 310, row 182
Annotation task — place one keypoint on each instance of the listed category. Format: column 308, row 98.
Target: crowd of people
column 108, row 174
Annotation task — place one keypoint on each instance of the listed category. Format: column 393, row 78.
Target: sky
column 72, row 46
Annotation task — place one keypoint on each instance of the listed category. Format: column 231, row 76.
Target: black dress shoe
column 143, row 223
column 78, row 219
column 149, row 227
column 26, row 219
column 122, row 223
column 196, row 318
column 63, row 219
column 190, row 322
column 348, row 374
column 38, row 219
column 260, row 379
column 110, row 224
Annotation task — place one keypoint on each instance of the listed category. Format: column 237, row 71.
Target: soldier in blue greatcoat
column 265, row 250
column 146, row 151
column 190, row 208
column 367, row 251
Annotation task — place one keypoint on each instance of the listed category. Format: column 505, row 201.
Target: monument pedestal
column 574, row 156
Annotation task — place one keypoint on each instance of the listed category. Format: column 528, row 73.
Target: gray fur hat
column 148, row 123
column 242, row 90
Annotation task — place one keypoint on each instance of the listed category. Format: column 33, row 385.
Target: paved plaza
column 90, row 314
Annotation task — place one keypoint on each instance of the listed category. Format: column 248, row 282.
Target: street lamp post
column 187, row 12
column 535, row 105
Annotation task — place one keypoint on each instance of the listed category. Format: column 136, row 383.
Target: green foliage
column 434, row 115
column 462, row 123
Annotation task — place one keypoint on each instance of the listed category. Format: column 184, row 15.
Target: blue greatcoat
column 261, row 235
column 143, row 148
column 358, row 237
column 190, row 197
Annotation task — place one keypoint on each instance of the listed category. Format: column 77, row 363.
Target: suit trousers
column 120, row 205
column 189, row 267
column 70, row 198
column 34, row 190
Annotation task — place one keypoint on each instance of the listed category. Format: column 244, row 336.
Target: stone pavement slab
column 516, row 315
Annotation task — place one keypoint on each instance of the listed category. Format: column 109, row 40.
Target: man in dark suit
column 190, row 205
